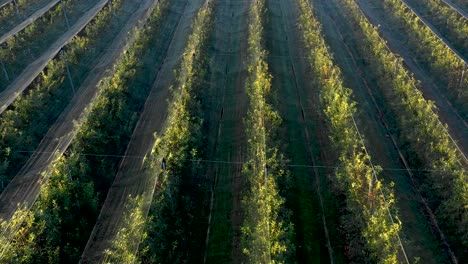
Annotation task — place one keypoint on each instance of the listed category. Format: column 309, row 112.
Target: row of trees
column 69, row 203
column 446, row 183
column 267, row 231
column 177, row 210
column 373, row 233
column 453, row 25
column 26, row 121
column 448, row 69
column 21, row 49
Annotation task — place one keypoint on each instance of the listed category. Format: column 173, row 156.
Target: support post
column 112, row 7
column 17, row 9
column 68, row 71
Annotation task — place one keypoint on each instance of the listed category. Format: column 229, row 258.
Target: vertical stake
column 65, row 14
column 112, row 7
column 17, row 9
column 68, row 71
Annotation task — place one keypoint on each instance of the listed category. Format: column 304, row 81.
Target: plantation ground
column 316, row 205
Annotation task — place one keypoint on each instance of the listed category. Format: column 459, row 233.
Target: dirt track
column 25, row 186
column 458, row 128
column 28, row 21
column 28, row 75
column 132, row 179
column 226, row 138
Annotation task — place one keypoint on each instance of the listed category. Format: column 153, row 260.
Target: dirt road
column 25, row 186
column 458, row 127
column 132, row 179
column 226, row 139
column 28, row 21
column 17, row 87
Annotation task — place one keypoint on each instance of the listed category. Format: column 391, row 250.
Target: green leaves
column 122, row 248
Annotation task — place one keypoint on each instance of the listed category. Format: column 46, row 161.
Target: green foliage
column 121, row 245
column 421, row 128
column 17, row 240
column 366, row 205
column 66, row 207
column 266, row 229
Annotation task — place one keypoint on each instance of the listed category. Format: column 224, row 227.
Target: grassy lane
column 26, row 46
column 416, row 232
column 290, row 74
column 66, row 210
column 226, row 138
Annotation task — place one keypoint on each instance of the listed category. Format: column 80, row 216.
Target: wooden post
column 111, row 7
